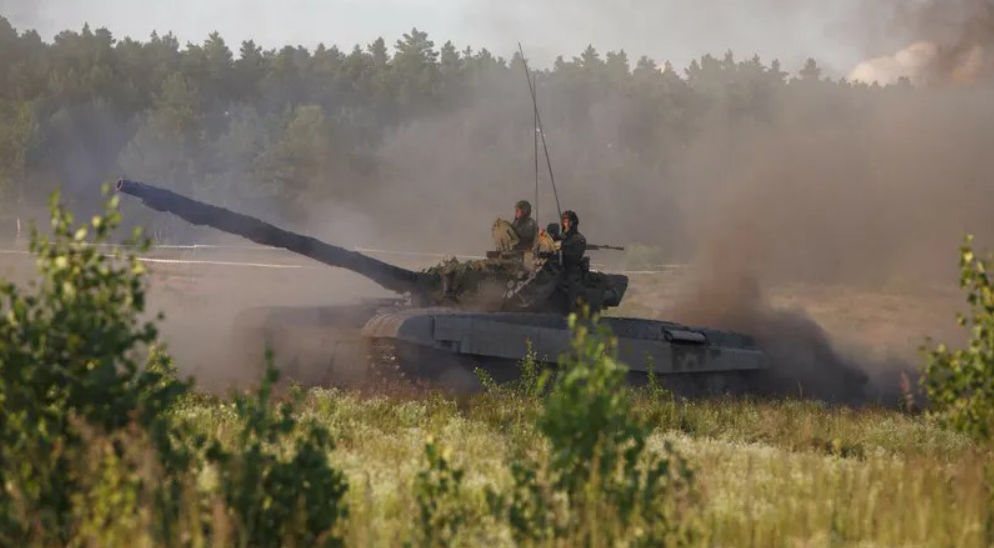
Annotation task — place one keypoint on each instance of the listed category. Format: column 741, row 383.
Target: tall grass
column 770, row 473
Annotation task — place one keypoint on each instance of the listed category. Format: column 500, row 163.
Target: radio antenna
column 535, row 139
column 541, row 131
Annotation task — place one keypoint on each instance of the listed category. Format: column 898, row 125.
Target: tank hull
column 375, row 342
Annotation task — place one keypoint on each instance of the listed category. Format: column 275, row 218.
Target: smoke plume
column 955, row 45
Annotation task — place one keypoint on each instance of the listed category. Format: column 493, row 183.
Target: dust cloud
column 212, row 315
column 803, row 359
column 870, row 201
column 963, row 32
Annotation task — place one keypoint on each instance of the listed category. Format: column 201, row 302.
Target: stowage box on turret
column 456, row 316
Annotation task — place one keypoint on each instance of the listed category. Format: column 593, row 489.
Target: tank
column 454, row 317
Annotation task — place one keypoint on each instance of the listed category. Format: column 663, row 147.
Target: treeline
column 292, row 127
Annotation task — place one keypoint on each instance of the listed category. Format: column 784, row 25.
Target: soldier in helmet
column 572, row 243
column 524, row 226
column 572, row 246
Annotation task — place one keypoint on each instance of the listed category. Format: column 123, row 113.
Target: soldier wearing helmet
column 524, row 226
column 572, row 244
column 572, row 247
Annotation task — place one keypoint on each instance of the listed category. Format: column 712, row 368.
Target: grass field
column 783, row 473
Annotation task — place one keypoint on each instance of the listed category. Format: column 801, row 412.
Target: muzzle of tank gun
column 126, row 186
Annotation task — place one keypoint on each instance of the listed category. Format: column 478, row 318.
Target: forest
column 303, row 137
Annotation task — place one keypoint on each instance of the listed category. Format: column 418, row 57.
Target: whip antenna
column 535, row 139
column 541, row 131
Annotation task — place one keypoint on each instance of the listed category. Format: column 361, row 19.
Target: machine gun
column 552, row 229
column 598, row 247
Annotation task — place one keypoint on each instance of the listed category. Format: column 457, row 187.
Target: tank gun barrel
column 388, row 276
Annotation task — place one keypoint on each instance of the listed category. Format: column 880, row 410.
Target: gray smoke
column 953, row 44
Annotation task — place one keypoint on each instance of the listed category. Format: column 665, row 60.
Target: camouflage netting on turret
column 481, row 282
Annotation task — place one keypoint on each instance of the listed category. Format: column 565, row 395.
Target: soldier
column 572, row 243
column 524, row 226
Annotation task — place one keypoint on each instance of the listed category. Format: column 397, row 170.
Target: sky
column 839, row 34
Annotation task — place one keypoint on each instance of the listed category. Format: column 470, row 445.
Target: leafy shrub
column 531, row 508
column 599, row 464
column 272, row 494
column 438, row 491
column 959, row 384
column 531, row 382
column 73, row 353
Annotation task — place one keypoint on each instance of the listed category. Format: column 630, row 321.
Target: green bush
column 276, row 483
column 959, row 384
column 531, row 383
column 73, row 352
column 600, row 469
column 438, row 491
